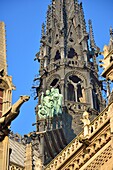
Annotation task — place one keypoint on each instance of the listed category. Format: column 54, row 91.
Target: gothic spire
column 64, row 59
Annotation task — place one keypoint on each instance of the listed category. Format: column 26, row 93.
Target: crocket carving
column 10, row 115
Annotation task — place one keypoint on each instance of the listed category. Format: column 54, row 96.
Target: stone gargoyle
column 10, row 115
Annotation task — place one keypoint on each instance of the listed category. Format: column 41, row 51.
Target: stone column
column 83, row 95
column 42, row 148
column 62, row 53
column 63, row 91
column 28, row 157
column 75, row 90
column 4, row 102
column 89, row 93
column 4, row 154
column 44, row 84
column 38, row 165
column 85, row 54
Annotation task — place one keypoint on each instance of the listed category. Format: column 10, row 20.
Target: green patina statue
column 51, row 104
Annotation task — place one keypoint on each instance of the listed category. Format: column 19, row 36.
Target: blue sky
column 23, row 19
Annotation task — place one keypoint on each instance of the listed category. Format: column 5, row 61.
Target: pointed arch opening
column 74, row 89
column 70, row 93
column 72, row 53
column 79, row 92
column 55, row 84
column 95, row 99
column 95, row 96
column 57, row 56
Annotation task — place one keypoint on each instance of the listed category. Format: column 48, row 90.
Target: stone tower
column 6, row 85
column 6, row 88
column 69, row 64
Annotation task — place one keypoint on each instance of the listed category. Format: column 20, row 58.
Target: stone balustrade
column 99, row 121
column 78, row 106
column 74, row 63
column 67, row 61
column 75, row 144
column 15, row 167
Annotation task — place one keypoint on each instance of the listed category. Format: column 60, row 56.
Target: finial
column 53, row 2
column 76, row 1
column 43, row 30
column 111, row 39
column 76, row 6
column 91, row 35
column 53, row 8
column 82, row 18
column 49, row 14
column 111, row 32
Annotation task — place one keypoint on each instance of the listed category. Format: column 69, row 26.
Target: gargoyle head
column 24, row 98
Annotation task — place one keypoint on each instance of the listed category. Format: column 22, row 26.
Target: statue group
column 51, row 104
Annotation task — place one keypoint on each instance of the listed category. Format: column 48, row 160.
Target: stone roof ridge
column 77, row 143
column 17, row 156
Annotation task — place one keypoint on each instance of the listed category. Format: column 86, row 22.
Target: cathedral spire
column 66, row 61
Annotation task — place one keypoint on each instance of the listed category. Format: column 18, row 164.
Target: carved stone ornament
column 38, row 165
column 10, row 115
